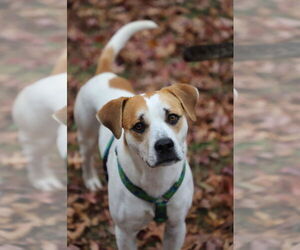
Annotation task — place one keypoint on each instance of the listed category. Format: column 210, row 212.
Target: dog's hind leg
column 37, row 149
column 88, row 144
column 87, row 131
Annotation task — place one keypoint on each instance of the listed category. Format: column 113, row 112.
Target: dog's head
column 154, row 124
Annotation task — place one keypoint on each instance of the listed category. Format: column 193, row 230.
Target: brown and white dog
column 40, row 113
column 150, row 131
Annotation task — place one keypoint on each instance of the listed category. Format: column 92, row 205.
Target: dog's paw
column 93, row 183
column 48, row 184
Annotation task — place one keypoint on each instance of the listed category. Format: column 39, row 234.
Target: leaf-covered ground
column 151, row 60
column 267, row 130
column 33, row 34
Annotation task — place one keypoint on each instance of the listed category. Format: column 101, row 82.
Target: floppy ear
column 110, row 115
column 187, row 95
column 61, row 115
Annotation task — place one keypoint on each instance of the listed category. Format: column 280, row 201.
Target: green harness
column 160, row 203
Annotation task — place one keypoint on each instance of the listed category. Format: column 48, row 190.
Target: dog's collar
column 160, row 203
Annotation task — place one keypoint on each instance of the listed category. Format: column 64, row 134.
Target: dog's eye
column 139, row 127
column 173, row 119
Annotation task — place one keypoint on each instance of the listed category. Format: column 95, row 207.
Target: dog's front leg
column 126, row 240
column 174, row 235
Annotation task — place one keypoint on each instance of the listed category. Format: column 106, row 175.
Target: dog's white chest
column 135, row 212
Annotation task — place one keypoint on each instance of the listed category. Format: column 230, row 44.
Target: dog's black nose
column 164, row 145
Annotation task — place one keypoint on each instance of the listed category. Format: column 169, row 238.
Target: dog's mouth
column 165, row 162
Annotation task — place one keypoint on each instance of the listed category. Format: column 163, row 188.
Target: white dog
column 144, row 138
column 40, row 113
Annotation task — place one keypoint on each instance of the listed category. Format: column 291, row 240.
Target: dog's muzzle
column 165, row 152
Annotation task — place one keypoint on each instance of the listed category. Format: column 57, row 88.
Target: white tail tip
column 235, row 93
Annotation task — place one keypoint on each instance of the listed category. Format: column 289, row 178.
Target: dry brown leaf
column 47, row 245
column 73, row 235
column 21, row 230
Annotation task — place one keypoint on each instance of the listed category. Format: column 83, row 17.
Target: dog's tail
column 118, row 41
column 61, row 64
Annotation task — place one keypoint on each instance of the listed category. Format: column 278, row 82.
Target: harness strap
column 160, row 203
column 105, row 156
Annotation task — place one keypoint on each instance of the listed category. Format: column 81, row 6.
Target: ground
column 151, row 60
column 32, row 37
column 266, row 130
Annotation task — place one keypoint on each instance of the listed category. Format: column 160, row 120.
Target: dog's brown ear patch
column 188, row 97
column 110, row 115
